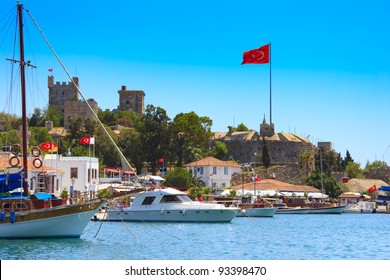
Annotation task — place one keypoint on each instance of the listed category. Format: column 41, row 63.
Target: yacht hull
column 174, row 215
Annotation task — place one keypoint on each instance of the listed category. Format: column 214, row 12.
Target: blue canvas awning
column 385, row 188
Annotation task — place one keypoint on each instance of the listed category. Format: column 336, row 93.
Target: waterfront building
column 215, row 173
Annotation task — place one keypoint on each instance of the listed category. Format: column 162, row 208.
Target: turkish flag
column 258, row 179
column 160, row 160
column 372, row 189
column 85, row 140
column 257, row 56
column 46, row 146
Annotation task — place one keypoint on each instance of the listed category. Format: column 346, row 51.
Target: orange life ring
column 15, row 149
column 12, row 161
column 36, row 152
column 37, row 163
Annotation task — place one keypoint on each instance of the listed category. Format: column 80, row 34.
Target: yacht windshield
column 174, row 198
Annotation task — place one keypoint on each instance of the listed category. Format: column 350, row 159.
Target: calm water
column 284, row 237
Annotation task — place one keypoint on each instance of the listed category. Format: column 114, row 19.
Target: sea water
column 283, row 237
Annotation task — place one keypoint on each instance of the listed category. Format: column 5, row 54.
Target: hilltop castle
column 66, row 98
column 247, row 146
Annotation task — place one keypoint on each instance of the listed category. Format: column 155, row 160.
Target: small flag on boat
column 372, row 189
column 87, row 140
column 257, row 56
column 258, row 179
column 160, row 160
column 47, row 146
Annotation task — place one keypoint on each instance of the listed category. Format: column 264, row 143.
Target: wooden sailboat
column 41, row 215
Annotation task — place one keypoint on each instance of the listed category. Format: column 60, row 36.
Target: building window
column 225, row 170
column 74, row 172
column 89, row 175
column 214, row 170
column 201, row 170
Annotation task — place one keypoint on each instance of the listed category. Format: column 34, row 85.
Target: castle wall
column 281, row 152
column 74, row 109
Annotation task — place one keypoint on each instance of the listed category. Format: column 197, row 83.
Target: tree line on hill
column 154, row 135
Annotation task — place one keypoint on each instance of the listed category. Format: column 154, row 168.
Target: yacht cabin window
column 148, row 200
column 174, row 198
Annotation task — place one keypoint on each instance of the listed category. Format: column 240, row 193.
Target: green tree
column 219, row 150
column 52, row 113
column 331, row 187
column 107, row 117
column 190, row 133
column 36, row 118
column 305, row 160
column 9, row 122
column 375, row 164
column 154, row 134
column 242, row 127
column 353, row 170
column 38, row 136
column 9, row 138
column 178, row 178
column 131, row 145
column 265, row 156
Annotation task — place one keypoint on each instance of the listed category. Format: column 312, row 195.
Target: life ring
column 36, row 152
column 15, row 149
column 14, row 161
column 37, row 163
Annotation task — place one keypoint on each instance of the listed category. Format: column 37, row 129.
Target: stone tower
column 131, row 100
column 61, row 92
column 266, row 129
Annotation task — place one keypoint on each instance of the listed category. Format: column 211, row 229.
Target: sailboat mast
column 23, row 90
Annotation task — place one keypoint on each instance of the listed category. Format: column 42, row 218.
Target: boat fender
column 14, row 161
column 2, row 216
column 12, row 215
column 37, row 163
column 161, row 211
column 35, row 152
column 16, row 149
column 184, row 212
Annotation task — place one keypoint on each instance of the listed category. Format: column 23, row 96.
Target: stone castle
column 243, row 146
column 66, row 98
column 247, row 146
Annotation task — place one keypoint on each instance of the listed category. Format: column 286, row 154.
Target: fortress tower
column 61, row 92
column 131, row 100
column 266, row 129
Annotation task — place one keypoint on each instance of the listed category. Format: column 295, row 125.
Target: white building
column 215, row 173
column 80, row 173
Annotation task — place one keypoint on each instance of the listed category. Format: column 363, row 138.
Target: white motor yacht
column 170, row 205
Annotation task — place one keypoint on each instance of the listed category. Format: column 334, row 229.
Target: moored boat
column 39, row 215
column 252, row 211
column 326, row 210
column 169, row 205
column 282, row 208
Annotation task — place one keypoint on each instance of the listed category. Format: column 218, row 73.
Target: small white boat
column 170, row 205
column 257, row 212
column 282, row 208
column 360, row 207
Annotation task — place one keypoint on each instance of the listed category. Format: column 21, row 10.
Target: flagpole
column 270, row 86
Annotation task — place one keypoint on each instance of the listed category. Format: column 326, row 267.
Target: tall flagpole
column 270, row 86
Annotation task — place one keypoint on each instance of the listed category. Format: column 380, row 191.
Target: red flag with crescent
column 372, row 189
column 47, row 146
column 256, row 56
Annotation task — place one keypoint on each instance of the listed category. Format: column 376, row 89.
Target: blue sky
column 330, row 62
